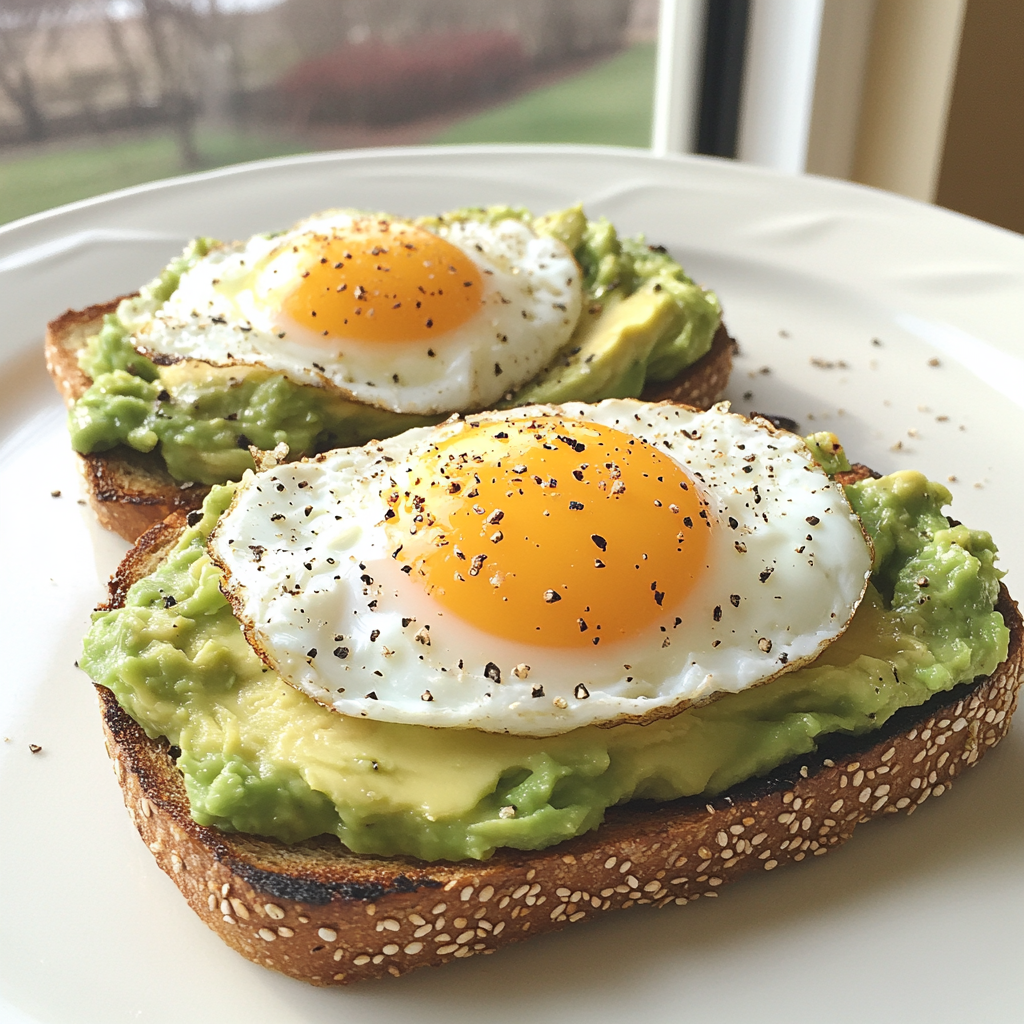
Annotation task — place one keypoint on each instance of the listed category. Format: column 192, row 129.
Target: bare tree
column 178, row 33
column 130, row 76
column 222, row 58
column 21, row 27
column 170, row 27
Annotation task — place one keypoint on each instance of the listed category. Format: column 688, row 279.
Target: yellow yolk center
column 551, row 532
column 379, row 281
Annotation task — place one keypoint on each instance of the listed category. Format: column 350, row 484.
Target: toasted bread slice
column 319, row 913
column 130, row 491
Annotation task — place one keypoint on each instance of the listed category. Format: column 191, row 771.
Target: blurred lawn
column 611, row 103
column 29, row 184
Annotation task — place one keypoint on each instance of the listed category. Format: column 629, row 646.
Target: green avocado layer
column 258, row 756
column 644, row 321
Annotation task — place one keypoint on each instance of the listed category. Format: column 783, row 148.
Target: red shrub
column 374, row 83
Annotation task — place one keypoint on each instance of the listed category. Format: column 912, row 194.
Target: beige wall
column 909, row 82
column 924, row 98
column 983, row 159
column 884, row 81
column 843, row 51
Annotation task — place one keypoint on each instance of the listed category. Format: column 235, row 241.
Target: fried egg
column 382, row 310
column 539, row 570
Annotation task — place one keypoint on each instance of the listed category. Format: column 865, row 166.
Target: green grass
column 29, row 184
column 611, row 103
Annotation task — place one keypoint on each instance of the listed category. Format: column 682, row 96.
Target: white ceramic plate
column 915, row 920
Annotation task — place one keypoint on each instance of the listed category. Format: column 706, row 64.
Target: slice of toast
column 130, row 491
column 319, row 913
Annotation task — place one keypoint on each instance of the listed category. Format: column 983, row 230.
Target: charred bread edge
column 130, row 491
column 326, row 916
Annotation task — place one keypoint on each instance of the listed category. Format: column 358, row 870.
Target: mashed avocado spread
column 644, row 321
column 258, row 756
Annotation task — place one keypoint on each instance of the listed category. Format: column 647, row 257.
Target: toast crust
column 701, row 384
column 65, row 337
column 130, row 491
column 316, row 912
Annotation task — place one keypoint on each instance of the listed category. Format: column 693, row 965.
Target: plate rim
column 54, row 215
column 370, row 154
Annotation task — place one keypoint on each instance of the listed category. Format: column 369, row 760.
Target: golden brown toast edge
column 321, row 914
column 129, row 491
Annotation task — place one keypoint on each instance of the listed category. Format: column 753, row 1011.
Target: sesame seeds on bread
column 131, row 491
column 316, row 912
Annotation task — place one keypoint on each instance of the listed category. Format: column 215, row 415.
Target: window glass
column 101, row 94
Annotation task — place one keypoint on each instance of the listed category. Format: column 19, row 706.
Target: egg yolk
column 379, row 281
column 551, row 531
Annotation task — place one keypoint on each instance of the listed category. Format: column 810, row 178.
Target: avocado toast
column 155, row 428
column 368, row 914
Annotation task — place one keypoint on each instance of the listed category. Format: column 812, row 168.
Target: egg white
column 308, row 568
column 223, row 313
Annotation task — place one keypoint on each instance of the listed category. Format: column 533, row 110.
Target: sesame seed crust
column 326, row 916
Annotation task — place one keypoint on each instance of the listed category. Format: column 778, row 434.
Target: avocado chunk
column 608, row 352
column 204, row 418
